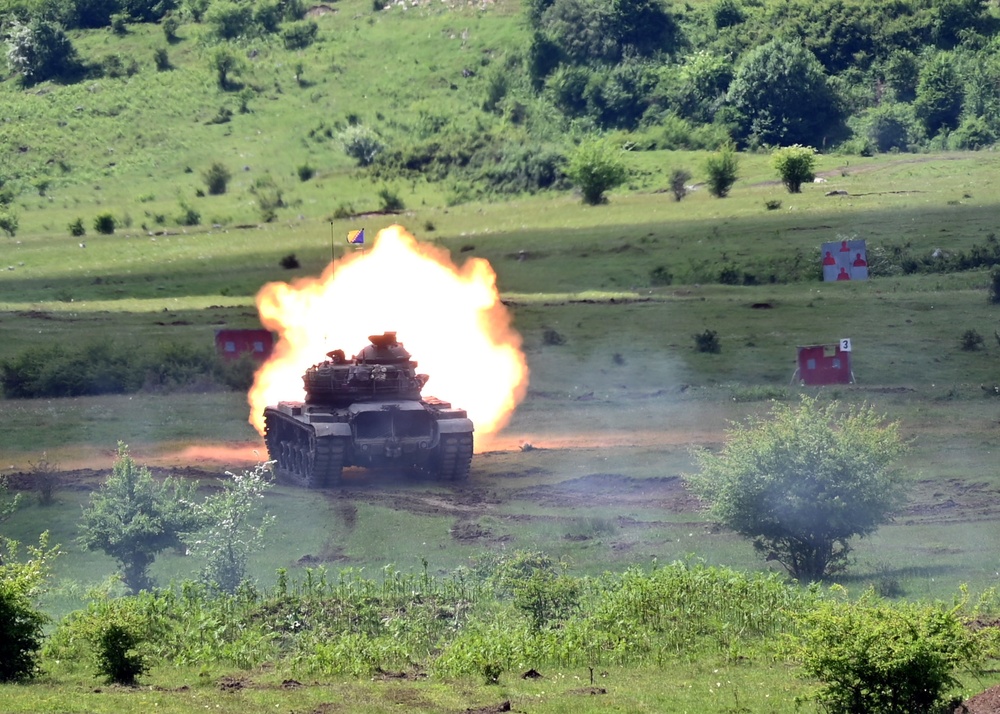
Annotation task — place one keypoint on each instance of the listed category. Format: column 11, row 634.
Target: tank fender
column 455, row 426
column 334, row 429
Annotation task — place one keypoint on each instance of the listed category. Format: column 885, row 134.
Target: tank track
column 454, row 457
column 302, row 458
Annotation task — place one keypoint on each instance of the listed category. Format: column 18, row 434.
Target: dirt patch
column 231, row 683
column 987, row 702
column 469, row 532
column 503, row 706
column 590, row 691
column 952, row 501
column 600, row 490
column 320, row 11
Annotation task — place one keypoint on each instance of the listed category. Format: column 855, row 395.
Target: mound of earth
column 987, row 702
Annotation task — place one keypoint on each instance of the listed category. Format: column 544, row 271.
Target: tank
column 367, row 411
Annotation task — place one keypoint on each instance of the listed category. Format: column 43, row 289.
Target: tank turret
column 382, row 370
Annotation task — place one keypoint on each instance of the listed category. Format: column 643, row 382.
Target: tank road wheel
column 454, row 457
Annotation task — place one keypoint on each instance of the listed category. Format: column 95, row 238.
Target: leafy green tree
column 21, row 621
column 588, row 31
column 361, row 144
column 234, row 527
column 795, row 165
column 132, row 518
column 875, row 658
column 722, row 169
column 595, row 168
column 939, row 95
column 229, row 20
column 226, row 63
column 216, row 178
column 678, row 183
column 890, row 126
column 39, row 50
column 780, row 96
column 804, row 482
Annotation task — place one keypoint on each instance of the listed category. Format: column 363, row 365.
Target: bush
column 8, row 222
column 678, row 183
column 596, row 167
column 994, row 294
column 269, row 197
column 361, row 144
column 299, row 35
column 216, row 179
column 39, row 50
column 707, row 341
column 170, row 27
column 305, row 172
column 119, row 23
column 21, row 622
column 722, row 168
column 795, row 165
column 390, row 201
column 105, row 223
column 875, row 658
column 189, row 216
column 290, row 262
column 161, row 59
column 229, row 20
column 660, row 276
column 971, row 341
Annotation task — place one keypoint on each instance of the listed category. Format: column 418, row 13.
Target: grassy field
column 589, row 469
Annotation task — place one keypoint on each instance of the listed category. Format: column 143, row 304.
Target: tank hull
column 311, row 444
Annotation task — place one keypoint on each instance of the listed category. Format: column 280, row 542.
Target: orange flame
column 450, row 319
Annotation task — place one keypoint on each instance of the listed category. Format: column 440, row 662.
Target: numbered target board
column 825, row 364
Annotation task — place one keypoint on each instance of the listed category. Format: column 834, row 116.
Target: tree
column 939, row 95
column 21, row 621
column 804, row 482
column 795, row 165
column 216, row 179
column 234, row 527
column 133, row 519
column 226, row 63
column 876, row 658
column 678, row 183
column 722, row 168
column 8, row 503
column 361, row 144
column 596, row 167
column 780, row 96
column 39, row 50
column 229, row 20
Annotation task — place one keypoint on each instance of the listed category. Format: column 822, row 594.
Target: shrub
column 161, row 59
column 39, row 50
column 170, row 27
column 722, row 168
column 660, row 276
column 229, row 20
column 971, row 341
column 305, row 172
column 289, row 262
column 772, row 204
column 21, row 621
column 118, row 658
column 994, row 293
column 795, row 165
column 216, row 178
column 269, row 197
column 119, row 23
column 8, row 222
column 596, row 167
column 876, row 658
column 76, row 228
column 361, row 144
column 226, row 63
column 105, row 223
column 390, row 201
column 189, row 216
column 804, row 482
column 678, row 183
column 299, row 35
column 707, row 341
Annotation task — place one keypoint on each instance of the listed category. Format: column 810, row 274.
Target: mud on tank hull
column 312, row 443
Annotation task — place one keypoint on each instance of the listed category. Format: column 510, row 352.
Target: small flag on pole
column 356, row 237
